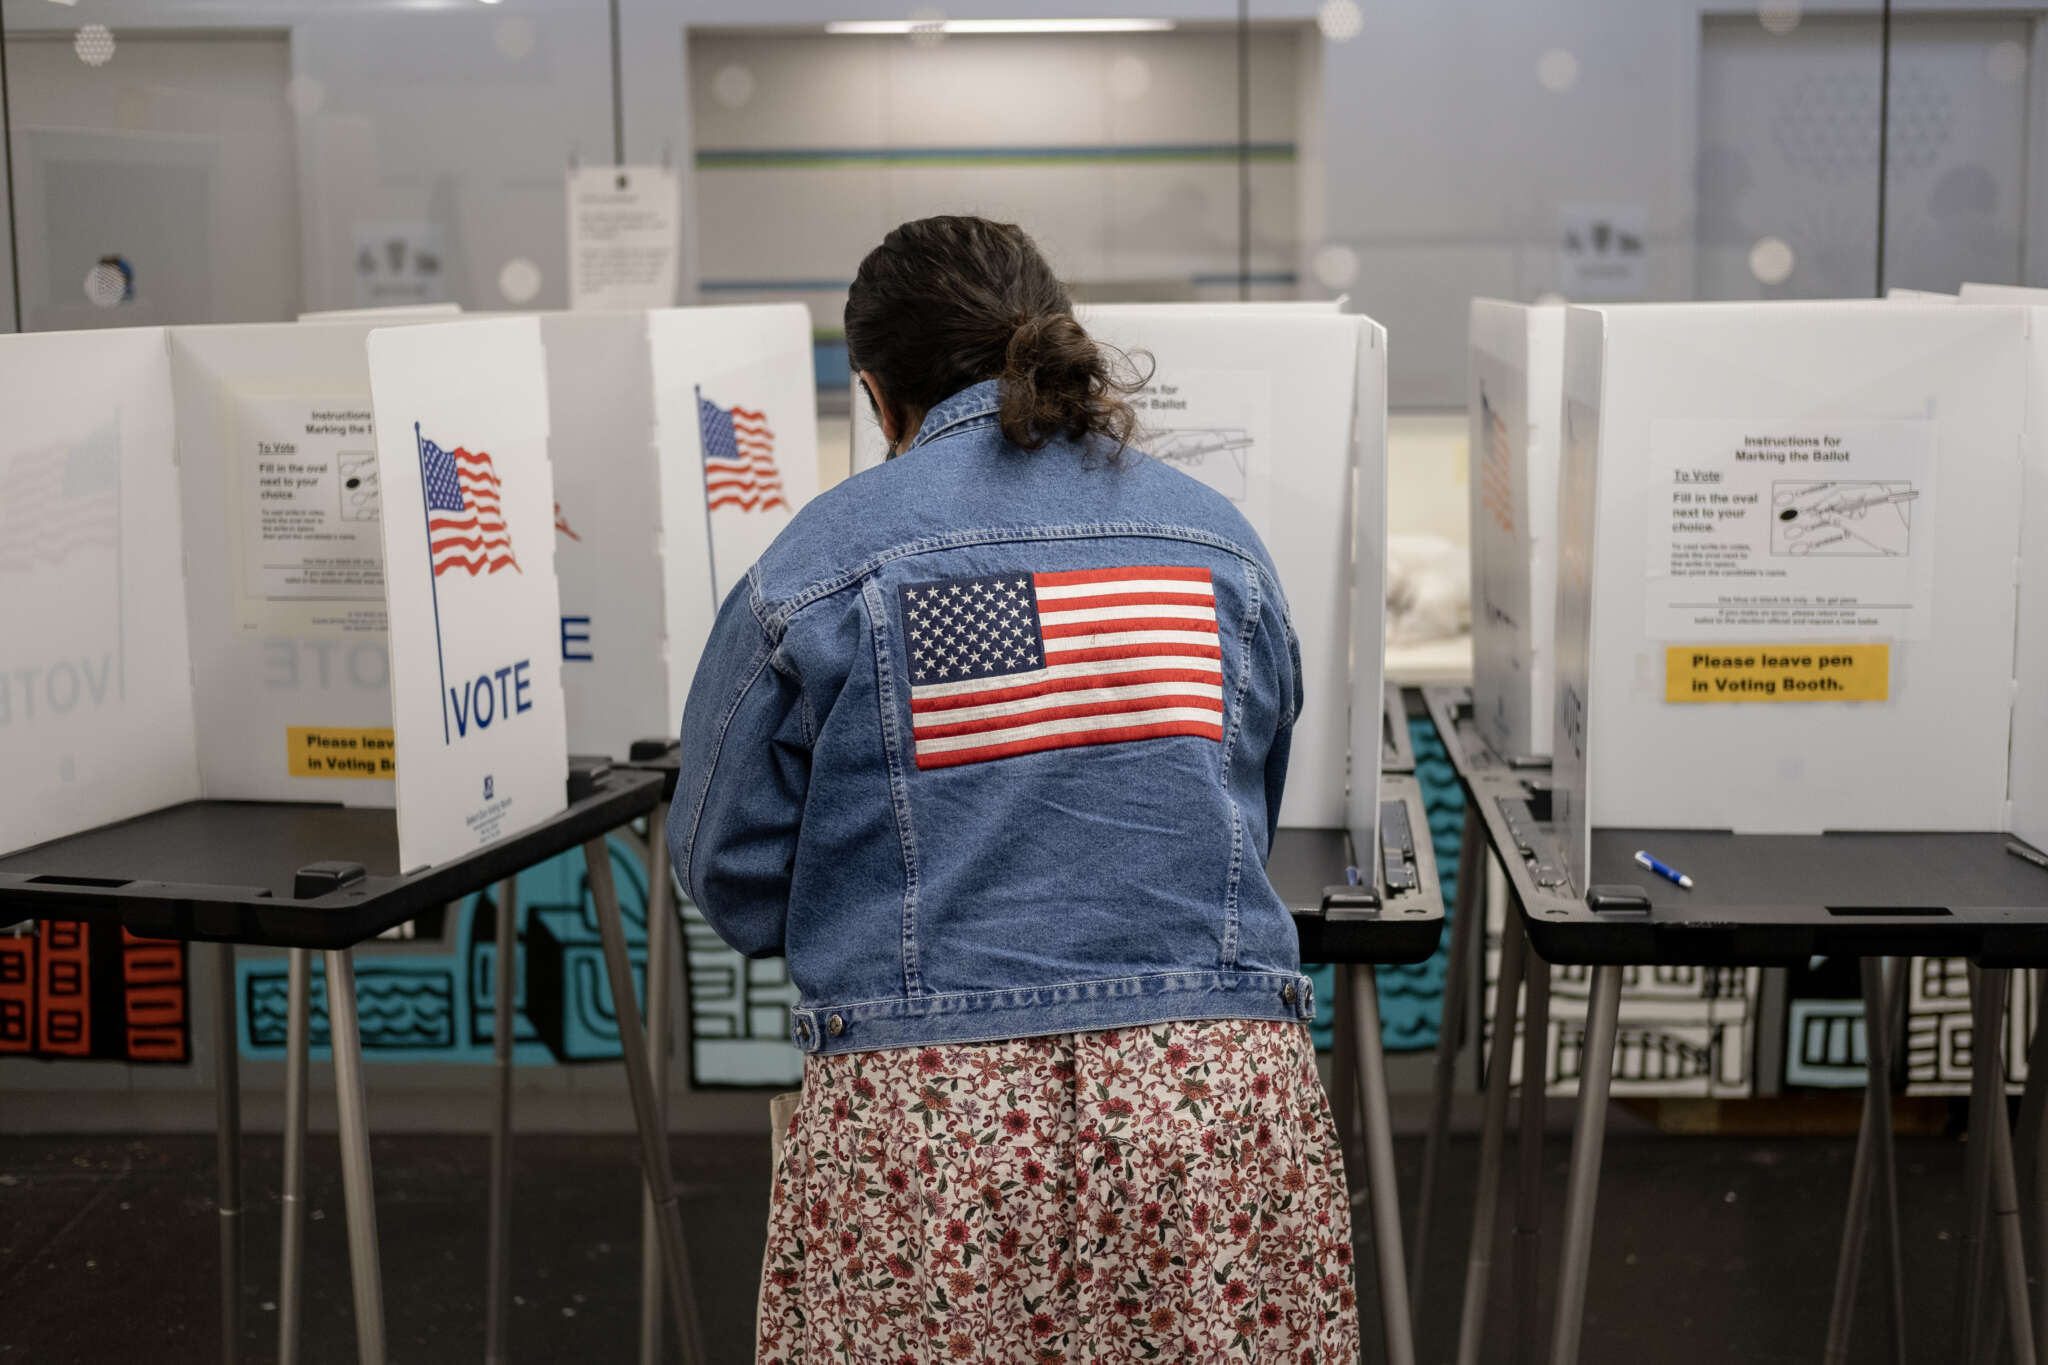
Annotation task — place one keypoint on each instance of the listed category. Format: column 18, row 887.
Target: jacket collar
column 973, row 402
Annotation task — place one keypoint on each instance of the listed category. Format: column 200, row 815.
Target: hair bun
column 1057, row 381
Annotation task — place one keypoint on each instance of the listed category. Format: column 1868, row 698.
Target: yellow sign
column 325, row 751
column 1777, row 672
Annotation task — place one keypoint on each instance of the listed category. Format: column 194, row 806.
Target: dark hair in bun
column 947, row 302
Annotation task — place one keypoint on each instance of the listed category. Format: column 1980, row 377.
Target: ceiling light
column 903, row 26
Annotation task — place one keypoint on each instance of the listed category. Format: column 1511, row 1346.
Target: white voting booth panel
column 607, row 531
column 869, row 449
column 736, row 426
column 200, row 533
column 2030, row 694
column 1746, row 487
column 96, row 669
column 1282, row 409
column 642, row 556
column 469, row 556
column 1514, row 397
column 283, row 561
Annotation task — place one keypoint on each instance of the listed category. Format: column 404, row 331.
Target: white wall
column 1063, row 134
column 1430, row 146
column 177, row 158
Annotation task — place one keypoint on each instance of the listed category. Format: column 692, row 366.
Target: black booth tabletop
column 1401, row 917
column 279, row 873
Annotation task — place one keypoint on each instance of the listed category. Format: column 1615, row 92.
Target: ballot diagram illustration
column 361, row 499
column 1870, row 518
column 1218, row 456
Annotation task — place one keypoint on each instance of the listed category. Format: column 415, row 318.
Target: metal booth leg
column 2037, row 1136
column 1888, row 985
column 1492, row 1137
column 1987, row 1006
column 358, row 1195
column 640, row 1081
column 1379, row 1164
column 1457, row 976
column 1583, row 1188
column 1528, row 1234
column 227, row 1138
column 2012, row 1249
column 498, row 1251
column 1344, row 1075
column 661, row 937
column 292, row 1239
column 1873, row 1162
column 1987, row 1011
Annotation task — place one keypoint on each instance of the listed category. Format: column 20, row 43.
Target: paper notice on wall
column 624, row 236
column 1216, row 426
column 306, row 517
column 1780, row 530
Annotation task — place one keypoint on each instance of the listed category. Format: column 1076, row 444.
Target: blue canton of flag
column 972, row 628
column 444, row 490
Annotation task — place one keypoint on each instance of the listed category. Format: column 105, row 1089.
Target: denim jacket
column 990, row 744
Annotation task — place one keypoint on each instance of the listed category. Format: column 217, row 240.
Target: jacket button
column 803, row 1030
column 835, row 1026
column 1287, row 993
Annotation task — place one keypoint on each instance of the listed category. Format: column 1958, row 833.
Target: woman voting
column 991, row 743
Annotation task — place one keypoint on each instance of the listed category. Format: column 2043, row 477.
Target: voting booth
column 1281, row 407
column 1514, row 395
column 684, row 441
column 1787, row 597
column 197, row 550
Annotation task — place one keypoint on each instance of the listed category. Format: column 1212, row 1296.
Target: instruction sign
column 1752, row 673
column 1215, row 426
column 311, row 547
column 1790, row 530
column 340, row 751
column 625, row 232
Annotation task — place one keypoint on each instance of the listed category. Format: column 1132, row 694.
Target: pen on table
column 2021, row 851
column 1668, row 873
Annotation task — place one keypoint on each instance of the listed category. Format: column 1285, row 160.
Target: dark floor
column 1707, row 1249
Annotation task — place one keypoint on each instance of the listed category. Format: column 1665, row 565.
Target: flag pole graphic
column 433, row 576
column 704, row 472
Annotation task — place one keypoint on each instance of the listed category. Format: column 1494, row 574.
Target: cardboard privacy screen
column 1514, row 397
column 1282, row 409
column 1786, row 577
column 96, row 717
column 2029, row 793
column 195, row 530
column 469, row 559
column 735, row 416
column 683, row 441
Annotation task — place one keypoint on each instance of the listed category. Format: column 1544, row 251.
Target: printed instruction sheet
column 307, row 516
column 1775, row 530
column 1216, row 426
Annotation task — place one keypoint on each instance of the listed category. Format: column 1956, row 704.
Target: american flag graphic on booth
column 465, row 523
column 739, row 458
column 1017, row 663
column 59, row 499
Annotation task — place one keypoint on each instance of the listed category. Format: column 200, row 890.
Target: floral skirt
column 1165, row 1193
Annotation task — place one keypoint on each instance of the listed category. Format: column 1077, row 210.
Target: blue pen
column 1670, row 874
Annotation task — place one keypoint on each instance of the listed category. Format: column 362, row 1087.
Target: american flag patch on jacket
column 1017, row 663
